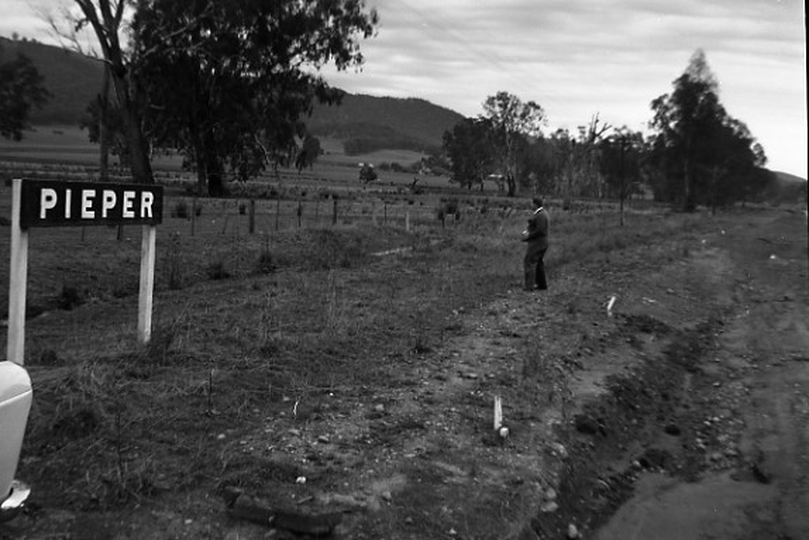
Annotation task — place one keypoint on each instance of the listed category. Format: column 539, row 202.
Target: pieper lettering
column 50, row 203
column 47, row 201
column 146, row 201
column 109, row 202
column 128, row 213
column 87, row 204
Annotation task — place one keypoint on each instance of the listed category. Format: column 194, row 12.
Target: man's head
column 537, row 202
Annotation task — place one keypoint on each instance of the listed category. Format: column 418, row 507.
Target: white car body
column 15, row 404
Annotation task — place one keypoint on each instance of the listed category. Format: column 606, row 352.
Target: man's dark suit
column 537, row 238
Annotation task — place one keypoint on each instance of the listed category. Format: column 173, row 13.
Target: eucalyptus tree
column 109, row 21
column 512, row 121
column 468, row 147
column 702, row 152
column 232, row 81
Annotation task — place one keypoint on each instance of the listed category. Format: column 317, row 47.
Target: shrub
column 180, row 210
column 217, row 271
column 69, row 298
column 266, row 263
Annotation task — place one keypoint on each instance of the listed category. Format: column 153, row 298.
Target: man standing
column 536, row 234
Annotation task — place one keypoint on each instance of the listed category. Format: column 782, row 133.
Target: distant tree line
column 695, row 154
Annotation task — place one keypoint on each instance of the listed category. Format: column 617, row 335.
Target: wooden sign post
column 38, row 203
column 17, row 280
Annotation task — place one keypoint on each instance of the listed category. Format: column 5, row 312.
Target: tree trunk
column 512, row 185
column 213, row 168
column 690, row 202
column 103, row 135
column 139, row 163
column 105, row 17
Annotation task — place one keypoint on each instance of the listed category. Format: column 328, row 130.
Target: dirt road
column 756, row 410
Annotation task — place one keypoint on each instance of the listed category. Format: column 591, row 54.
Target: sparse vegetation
column 180, row 210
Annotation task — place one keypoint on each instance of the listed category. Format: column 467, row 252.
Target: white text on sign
column 48, row 203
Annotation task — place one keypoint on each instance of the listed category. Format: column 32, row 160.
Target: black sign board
column 48, row 203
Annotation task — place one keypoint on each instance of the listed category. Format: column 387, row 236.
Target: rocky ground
column 681, row 411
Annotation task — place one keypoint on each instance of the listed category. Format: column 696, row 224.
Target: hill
column 786, row 188
column 362, row 123
column 72, row 79
column 368, row 123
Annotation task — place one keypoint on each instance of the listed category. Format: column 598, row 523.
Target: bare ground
column 682, row 413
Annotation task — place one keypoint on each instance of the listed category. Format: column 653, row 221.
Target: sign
column 47, row 203
column 36, row 203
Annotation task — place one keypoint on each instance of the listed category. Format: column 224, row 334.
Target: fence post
column 252, row 216
column 300, row 213
column 193, row 215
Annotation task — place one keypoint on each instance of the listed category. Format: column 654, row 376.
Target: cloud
column 579, row 57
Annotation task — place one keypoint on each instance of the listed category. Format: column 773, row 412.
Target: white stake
column 609, row 305
column 498, row 412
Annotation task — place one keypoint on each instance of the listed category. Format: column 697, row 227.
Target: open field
column 58, row 147
column 344, row 370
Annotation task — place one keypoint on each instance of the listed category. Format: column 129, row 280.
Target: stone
column 549, row 507
column 559, row 449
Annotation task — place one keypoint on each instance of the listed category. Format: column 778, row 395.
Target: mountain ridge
column 362, row 122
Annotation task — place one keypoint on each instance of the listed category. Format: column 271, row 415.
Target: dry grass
column 238, row 341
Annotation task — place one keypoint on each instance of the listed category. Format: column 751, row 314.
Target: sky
column 575, row 58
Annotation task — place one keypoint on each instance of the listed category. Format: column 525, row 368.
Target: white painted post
column 609, row 305
column 17, row 280
column 498, row 412
column 147, row 263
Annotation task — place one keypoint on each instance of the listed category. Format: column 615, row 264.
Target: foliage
column 511, row 121
column 21, row 89
column 309, row 152
column 230, row 82
column 71, row 79
column 701, row 153
column 468, row 148
column 368, row 173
